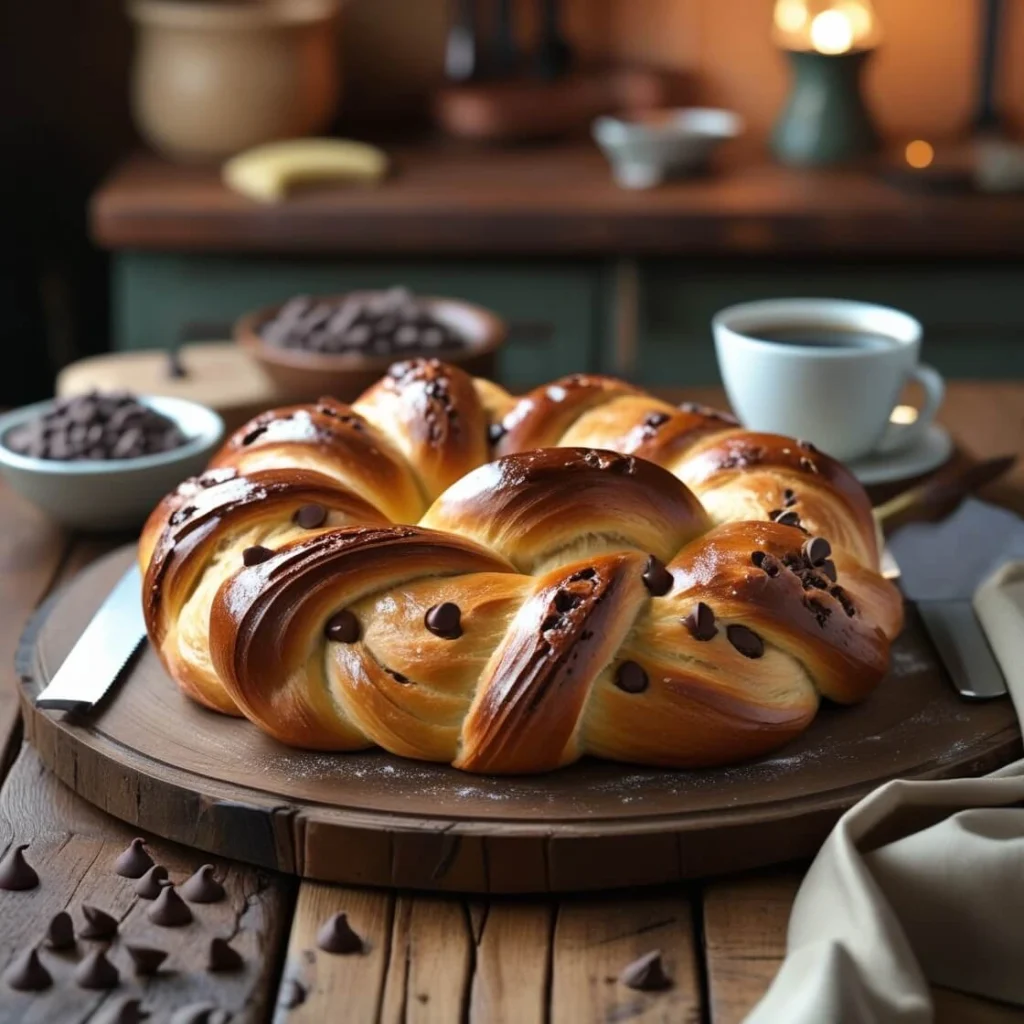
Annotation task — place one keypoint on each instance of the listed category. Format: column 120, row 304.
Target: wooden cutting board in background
column 217, row 374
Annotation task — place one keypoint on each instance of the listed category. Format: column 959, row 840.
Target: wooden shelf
column 553, row 200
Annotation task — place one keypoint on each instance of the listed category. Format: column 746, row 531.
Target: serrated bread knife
column 102, row 651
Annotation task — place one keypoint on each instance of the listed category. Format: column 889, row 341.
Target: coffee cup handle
column 899, row 435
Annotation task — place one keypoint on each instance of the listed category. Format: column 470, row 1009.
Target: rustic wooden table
column 429, row 958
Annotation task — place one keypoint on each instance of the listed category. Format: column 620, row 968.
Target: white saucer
column 927, row 454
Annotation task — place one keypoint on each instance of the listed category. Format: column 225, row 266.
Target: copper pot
column 210, row 79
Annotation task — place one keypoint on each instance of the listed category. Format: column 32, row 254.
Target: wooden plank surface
column 552, row 199
column 338, row 987
column 513, row 962
column 431, row 962
column 31, row 550
column 745, row 939
column 73, row 848
column 595, row 939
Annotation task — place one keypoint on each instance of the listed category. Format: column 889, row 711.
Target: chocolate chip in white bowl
column 95, row 427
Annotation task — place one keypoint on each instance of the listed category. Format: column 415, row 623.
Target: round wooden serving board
column 151, row 757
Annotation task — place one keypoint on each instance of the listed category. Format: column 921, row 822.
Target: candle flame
column 919, row 154
column 826, row 26
column 831, row 32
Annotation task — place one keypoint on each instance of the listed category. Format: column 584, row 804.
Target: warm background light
column 919, row 153
column 827, row 26
column 831, row 32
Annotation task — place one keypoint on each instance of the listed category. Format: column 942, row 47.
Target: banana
column 266, row 173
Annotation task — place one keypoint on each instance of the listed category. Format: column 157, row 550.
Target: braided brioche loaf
column 507, row 584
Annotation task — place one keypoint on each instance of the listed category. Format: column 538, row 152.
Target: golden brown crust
column 265, row 618
column 553, row 603
column 433, row 415
column 561, row 504
column 330, row 438
column 532, row 693
column 202, row 531
column 542, row 417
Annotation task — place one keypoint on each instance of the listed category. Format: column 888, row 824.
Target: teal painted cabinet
column 565, row 315
column 555, row 309
column 973, row 314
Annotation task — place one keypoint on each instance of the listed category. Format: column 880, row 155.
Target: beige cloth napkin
column 921, row 882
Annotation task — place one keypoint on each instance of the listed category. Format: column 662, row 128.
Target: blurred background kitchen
column 537, row 166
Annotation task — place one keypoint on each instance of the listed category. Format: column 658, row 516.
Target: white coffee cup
column 839, row 396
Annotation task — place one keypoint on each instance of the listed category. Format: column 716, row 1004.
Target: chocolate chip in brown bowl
column 377, row 324
column 95, row 426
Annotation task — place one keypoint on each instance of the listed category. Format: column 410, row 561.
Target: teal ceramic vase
column 825, row 120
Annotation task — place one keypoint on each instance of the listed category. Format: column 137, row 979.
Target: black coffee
column 823, row 336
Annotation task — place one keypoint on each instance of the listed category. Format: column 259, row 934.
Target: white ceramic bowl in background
column 645, row 151
column 114, row 494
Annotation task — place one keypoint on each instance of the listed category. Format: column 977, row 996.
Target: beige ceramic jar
column 210, row 78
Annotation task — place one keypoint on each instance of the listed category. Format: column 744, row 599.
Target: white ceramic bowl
column 114, row 494
column 647, row 150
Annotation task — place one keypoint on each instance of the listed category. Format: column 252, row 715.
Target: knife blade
column 941, row 564
column 963, row 648
column 101, row 653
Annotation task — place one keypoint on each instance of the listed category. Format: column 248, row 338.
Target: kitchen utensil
column 102, row 651
column 941, row 566
column 936, row 496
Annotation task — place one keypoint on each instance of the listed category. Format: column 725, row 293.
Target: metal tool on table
column 941, row 566
column 102, row 652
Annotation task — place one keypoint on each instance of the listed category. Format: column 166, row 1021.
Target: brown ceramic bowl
column 304, row 376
